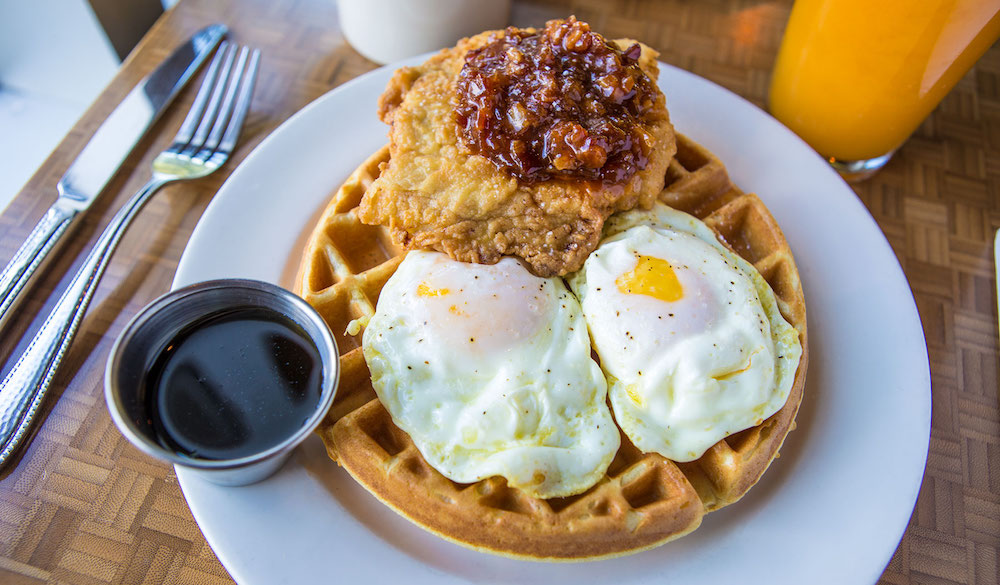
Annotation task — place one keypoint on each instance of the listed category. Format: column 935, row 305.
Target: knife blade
column 100, row 159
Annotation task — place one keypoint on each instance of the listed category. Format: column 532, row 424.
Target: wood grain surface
column 84, row 506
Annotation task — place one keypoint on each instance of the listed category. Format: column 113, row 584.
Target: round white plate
column 830, row 510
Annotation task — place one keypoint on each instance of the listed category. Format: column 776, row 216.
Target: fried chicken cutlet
column 521, row 142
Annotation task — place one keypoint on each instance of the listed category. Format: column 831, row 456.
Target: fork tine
column 208, row 117
column 226, row 109
column 242, row 105
column 190, row 123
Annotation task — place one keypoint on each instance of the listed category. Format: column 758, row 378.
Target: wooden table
column 83, row 506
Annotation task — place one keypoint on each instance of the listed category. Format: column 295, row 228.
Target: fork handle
column 23, row 390
column 30, row 256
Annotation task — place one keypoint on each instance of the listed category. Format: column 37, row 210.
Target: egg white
column 684, row 373
column 488, row 369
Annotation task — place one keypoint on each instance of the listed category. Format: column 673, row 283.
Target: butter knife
column 100, row 159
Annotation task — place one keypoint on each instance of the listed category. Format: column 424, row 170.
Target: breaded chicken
column 437, row 193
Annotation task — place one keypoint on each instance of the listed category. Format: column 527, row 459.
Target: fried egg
column 688, row 333
column 488, row 368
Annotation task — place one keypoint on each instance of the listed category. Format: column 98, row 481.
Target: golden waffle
column 644, row 499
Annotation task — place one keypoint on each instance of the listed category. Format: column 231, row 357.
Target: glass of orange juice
column 854, row 78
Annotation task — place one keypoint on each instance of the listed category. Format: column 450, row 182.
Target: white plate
column 830, row 510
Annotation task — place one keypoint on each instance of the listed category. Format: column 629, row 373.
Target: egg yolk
column 462, row 304
column 425, row 291
column 654, row 277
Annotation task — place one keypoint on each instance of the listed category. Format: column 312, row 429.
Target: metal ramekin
column 150, row 331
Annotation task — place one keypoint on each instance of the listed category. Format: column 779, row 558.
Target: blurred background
column 55, row 57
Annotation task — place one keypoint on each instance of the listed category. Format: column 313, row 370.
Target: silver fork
column 203, row 144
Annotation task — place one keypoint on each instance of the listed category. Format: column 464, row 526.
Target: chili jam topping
column 561, row 102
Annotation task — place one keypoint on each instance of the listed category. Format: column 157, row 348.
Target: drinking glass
column 854, row 78
column 389, row 30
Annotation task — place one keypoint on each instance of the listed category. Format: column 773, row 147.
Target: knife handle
column 23, row 390
column 30, row 256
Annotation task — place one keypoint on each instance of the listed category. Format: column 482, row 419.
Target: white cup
column 389, row 30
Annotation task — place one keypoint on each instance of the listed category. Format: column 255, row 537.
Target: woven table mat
column 83, row 506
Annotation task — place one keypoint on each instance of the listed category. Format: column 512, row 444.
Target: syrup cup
column 129, row 385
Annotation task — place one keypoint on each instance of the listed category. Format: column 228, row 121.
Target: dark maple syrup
column 233, row 384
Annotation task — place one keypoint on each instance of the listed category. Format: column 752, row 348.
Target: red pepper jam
column 561, row 102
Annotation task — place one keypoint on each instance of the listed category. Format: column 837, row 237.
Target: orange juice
column 855, row 78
